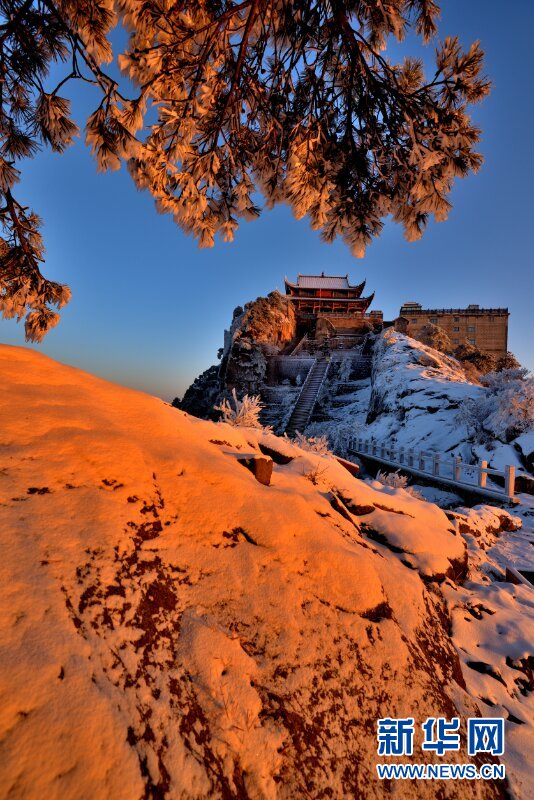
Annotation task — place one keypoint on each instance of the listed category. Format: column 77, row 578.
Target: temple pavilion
column 331, row 298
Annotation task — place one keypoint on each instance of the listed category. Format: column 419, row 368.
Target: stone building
column 486, row 328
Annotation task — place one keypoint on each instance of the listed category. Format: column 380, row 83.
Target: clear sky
column 149, row 308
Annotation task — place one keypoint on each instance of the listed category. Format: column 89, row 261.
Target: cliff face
column 416, row 394
column 203, row 394
column 263, row 328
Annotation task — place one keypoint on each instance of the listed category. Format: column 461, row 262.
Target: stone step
column 307, row 399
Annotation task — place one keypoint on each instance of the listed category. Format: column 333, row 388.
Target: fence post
column 421, row 461
column 509, row 477
column 382, row 450
column 435, row 464
column 410, row 457
column 457, row 468
column 482, row 474
column 374, row 447
column 401, row 455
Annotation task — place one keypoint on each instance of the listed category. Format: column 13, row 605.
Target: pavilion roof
column 323, row 282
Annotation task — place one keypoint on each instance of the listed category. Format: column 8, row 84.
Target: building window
column 456, row 319
column 456, row 341
column 456, row 330
column 471, row 341
column 434, row 320
column 471, row 328
column 414, row 320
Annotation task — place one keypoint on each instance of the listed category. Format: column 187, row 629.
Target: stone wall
column 282, row 368
column 329, row 324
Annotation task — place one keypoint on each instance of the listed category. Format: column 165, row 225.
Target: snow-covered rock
column 172, row 628
column 493, row 631
column 525, row 444
column 414, row 397
column 416, row 392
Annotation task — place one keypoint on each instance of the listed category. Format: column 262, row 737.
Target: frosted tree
column 436, row 337
column 506, row 362
column 505, row 411
column 244, row 413
column 297, row 101
column 474, row 361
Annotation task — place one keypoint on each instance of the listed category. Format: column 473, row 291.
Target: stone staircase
column 307, row 398
column 277, row 401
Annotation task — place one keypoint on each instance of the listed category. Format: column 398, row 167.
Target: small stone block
column 260, row 466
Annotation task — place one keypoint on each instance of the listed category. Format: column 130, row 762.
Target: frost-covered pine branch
column 223, row 102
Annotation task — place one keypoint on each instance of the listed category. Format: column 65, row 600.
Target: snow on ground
column 413, row 398
column 493, row 628
column 516, row 548
column 172, row 628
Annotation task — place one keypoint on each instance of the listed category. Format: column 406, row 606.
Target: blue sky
column 149, row 308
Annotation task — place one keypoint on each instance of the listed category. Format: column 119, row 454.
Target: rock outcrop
column 262, row 329
column 203, row 394
column 414, row 397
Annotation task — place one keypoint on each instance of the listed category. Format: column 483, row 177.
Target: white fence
column 441, row 467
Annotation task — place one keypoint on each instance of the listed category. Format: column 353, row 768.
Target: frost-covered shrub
column 472, row 374
column 435, row 337
column 340, row 436
column 314, row 444
column 244, row 413
column 316, row 475
column 397, row 481
column 505, row 377
column 508, row 361
column 471, row 357
column 393, row 479
column 505, row 411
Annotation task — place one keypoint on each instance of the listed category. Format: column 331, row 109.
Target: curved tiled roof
column 323, row 282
